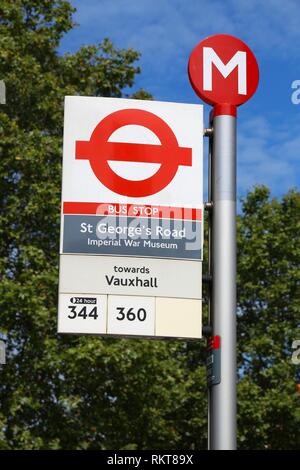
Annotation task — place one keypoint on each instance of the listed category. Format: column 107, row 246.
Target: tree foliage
column 72, row 392
column 269, row 314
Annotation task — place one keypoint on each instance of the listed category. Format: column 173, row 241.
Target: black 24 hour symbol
column 82, row 312
column 140, row 315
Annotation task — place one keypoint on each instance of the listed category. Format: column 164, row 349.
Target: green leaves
column 269, row 275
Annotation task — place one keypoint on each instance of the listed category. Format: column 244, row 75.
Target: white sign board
column 132, row 207
column 130, row 276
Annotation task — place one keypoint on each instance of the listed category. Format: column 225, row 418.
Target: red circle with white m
column 223, row 70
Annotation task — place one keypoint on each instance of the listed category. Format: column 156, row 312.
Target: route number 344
column 82, row 312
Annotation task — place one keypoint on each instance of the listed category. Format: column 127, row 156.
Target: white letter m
column 239, row 60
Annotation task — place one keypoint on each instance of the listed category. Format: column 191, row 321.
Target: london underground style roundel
column 223, row 70
column 132, row 151
column 99, row 151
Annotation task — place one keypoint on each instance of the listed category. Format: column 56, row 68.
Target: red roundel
column 223, row 70
column 99, row 151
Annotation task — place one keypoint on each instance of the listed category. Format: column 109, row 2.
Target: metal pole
column 222, row 400
column 209, row 242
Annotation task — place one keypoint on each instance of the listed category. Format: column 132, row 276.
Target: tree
column 48, row 399
column 72, row 392
column 269, row 299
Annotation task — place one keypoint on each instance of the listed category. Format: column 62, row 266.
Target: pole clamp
column 208, row 206
column 206, row 330
column 208, row 131
column 206, row 278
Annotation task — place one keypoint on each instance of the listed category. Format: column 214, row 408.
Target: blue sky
column 166, row 31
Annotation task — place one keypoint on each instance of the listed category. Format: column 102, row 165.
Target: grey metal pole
column 222, row 399
column 209, row 219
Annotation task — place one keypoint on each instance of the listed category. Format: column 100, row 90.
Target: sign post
column 223, row 305
column 224, row 73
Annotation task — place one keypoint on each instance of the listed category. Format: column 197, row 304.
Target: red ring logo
column 99, row 151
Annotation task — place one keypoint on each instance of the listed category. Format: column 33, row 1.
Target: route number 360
column 130, row 314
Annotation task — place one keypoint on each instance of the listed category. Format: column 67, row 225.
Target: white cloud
column 154, row 25
column 268, row 154
column 166, row 31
